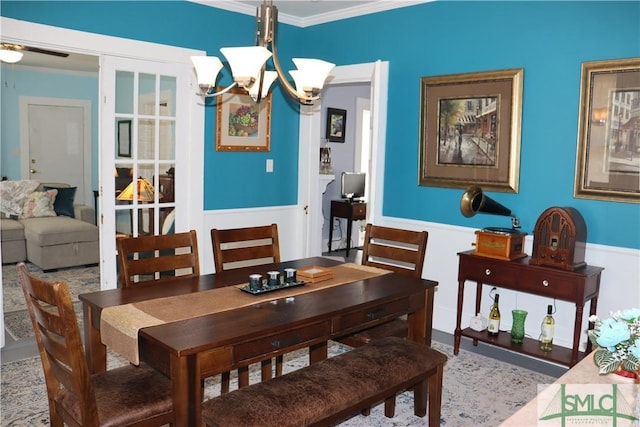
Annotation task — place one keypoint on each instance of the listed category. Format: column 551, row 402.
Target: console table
column 579, row 287
column 352, row 211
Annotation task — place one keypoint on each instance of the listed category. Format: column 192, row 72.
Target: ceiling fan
column 10, row 52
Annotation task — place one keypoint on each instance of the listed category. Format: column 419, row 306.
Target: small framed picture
column 243, row 125
column 124, row 138
column 336, row 124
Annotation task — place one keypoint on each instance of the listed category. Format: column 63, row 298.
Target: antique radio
column 493, row 242
column 559, row 239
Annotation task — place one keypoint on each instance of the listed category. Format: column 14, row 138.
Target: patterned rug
column 16, row 317
column 465, row 401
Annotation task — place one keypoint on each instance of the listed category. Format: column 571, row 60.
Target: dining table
column 191, row 328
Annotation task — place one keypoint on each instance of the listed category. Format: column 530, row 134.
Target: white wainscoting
column 619, row 288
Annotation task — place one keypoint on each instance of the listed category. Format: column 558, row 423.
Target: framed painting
column 336, row 124
column 242, row 125
column 470, row 130
column 124, row 138
column 608, row 155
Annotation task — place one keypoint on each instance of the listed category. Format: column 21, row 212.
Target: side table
column 352, row 211
column 579, row 286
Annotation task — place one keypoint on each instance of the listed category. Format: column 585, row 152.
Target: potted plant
column 618, row 341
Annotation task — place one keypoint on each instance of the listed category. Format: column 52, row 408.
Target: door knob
column 33, row 171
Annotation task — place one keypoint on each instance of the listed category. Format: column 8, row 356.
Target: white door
column 56, row 143
column 142, row 170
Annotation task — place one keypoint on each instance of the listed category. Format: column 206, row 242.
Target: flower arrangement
column 618, row 339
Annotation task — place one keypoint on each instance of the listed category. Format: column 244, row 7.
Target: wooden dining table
column 189, row 350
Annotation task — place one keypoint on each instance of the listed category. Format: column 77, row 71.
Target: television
column 353, row 185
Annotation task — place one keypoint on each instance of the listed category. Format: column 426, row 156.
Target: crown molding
column 363, row 9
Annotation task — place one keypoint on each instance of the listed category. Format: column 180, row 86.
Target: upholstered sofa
column 50, row 241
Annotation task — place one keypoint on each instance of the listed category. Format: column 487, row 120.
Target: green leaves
column 605, row 361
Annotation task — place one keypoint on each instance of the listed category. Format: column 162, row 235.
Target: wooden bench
column 335, row 389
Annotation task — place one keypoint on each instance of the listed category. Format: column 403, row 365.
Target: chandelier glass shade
column 248, row 65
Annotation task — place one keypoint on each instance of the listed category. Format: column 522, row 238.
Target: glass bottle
column 548, row 327
column 494, row 318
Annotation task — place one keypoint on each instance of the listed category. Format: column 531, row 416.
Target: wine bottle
column 494, row 317
column 548, row 326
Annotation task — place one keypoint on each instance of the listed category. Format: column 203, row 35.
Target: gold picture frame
column 470, row 128
column 608, row 153
column 241, row 123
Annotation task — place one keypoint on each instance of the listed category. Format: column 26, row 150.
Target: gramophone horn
column 474, row 201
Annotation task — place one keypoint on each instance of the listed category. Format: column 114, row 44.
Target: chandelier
column 248, row 65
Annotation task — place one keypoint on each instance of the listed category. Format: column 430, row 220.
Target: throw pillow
column 39, row 204
column 13, row 194
column 63, row 205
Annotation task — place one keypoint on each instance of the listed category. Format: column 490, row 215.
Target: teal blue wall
column 17, row 82
column 232, row 180
column 548, row 39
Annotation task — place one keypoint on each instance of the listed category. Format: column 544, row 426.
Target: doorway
column 376, row 75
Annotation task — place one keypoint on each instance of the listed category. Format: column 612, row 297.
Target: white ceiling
column 302, row 13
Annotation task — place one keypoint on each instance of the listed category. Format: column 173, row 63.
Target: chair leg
column 435, row 396
column 279, row 363
column 267, row 370
column 420, row 397
column 225, row 382
column 243, row 376
column 390, row 406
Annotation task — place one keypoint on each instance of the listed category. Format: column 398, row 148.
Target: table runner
column 119, row 325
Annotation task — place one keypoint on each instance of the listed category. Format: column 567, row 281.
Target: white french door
column 144, row 115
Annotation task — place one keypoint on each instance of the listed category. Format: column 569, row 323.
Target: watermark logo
column 576, row 405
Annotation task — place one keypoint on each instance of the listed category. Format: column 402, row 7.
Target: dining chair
column 157, row 259
column 125, row 396
column 398, row 250
column 242, row 247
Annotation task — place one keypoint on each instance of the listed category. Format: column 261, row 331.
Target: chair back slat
column 239, row 247
column 157, row 259
column 395, row 249
column 59, row 344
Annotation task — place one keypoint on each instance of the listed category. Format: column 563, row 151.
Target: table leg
column 330, row 230
column 478, row 303
column 318, row 352
column 420, row 321
column 457, row 334
column 593, row 305
column 95, row 351
column 187, row 398
column 349, row 227
column 577, row 327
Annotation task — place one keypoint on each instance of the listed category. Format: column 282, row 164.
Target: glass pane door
column 141, row 143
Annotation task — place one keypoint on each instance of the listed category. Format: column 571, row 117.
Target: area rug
column 16, row 317
column 465, row 401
